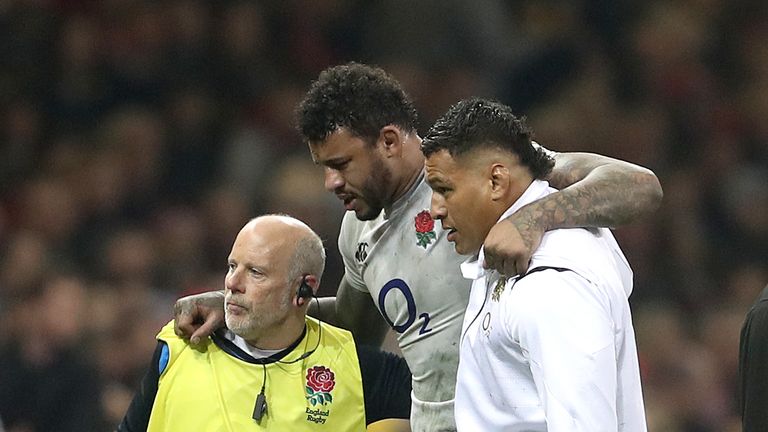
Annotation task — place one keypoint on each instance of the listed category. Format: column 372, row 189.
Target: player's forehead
column 338, row 144
column 441, row 167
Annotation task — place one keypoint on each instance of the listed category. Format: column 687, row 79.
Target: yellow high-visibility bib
column 205, row 389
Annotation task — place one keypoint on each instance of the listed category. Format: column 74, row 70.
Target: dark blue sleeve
column 386, row 384
column 137, row 417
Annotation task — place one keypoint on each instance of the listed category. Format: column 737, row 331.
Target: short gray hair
column 308, row 257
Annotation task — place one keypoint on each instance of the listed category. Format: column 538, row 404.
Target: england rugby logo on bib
column 320, row 381
column 425, row 229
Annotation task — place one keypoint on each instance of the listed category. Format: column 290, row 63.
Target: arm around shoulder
column 616, row 192
column 596, row 191
column 197, row 316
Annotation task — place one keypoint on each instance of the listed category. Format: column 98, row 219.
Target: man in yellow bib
column 273, row 368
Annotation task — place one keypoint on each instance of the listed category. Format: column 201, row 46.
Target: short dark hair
column 361, row 98
column 474, row 123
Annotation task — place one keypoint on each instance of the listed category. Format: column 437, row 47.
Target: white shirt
column 555, row 349
column 415, row 280
column 254, row 352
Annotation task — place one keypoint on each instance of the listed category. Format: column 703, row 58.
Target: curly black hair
column 473, row 123
column 359, row 97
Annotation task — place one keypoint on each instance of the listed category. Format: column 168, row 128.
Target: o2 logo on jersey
column 400, row 285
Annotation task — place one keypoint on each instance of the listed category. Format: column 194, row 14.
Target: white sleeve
column 564, row 327
column 347, row 248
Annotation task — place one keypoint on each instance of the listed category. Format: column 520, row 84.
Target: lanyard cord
column 260, row 408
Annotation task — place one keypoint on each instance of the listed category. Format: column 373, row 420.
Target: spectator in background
column 48, row 382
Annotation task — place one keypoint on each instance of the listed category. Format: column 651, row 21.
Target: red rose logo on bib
column 320, row 382
column 425, row 229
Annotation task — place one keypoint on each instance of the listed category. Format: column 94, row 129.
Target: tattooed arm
column 596, row 191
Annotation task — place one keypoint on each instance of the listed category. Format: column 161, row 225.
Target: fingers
column 510, row 243
column 514, row 264
column 488, row 262
column 507, row 267
column 521, row 265
column 197, row 316
column 503, row 266
column 195, row 325
column 493, row 260
column 212, row 322
column 183, row 323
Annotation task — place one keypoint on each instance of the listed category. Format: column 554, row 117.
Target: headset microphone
column 260, row 408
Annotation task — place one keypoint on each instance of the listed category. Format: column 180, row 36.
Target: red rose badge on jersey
column 320, row 382
column 425, row 229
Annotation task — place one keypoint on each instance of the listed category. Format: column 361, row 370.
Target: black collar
column 230, row 348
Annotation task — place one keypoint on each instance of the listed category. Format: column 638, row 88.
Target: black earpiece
column 304, row 291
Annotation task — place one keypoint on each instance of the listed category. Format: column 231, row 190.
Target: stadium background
column 136, row 137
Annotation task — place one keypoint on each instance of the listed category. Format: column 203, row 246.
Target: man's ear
column 313, row 283
column 391, row 139
column 500, row 179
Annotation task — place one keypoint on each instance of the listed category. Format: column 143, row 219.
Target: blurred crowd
column 137, row 136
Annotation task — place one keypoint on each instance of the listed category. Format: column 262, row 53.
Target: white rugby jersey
column 403, row 259
column 553, row 350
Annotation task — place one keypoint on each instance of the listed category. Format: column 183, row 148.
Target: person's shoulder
column 592, row 253
column 760, row 306
column 538, row 285
column 546, row 294
column 316, row 325
column 351, row 229
column 563, row 240
column 177, row 343
column 330, row 334
column 167, row 332
column 763, row 296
